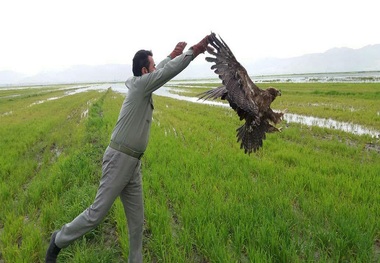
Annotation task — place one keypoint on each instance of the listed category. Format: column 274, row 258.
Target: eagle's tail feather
column 219, row 92
column 251, row 138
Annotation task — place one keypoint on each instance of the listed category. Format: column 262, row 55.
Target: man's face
column 152, row 65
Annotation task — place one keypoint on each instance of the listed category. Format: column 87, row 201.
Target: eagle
column 251, row 103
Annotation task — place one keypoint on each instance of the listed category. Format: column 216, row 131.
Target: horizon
column 349, row 76
column 25, row 74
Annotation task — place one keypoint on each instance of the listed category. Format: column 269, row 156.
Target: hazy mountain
column 333, row 60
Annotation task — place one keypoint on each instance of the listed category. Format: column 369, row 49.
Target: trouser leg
column 132, row 199
column 117, row 170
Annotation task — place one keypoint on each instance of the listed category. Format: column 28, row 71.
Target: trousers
column 121, row 176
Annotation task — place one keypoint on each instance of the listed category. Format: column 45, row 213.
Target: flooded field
column 171, row 90
column 289, row 117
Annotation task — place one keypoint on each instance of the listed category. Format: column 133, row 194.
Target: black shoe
column 53, row 250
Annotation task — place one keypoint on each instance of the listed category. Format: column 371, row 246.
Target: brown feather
column 251, row 103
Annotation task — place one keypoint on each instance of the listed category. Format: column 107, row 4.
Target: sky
column 44, row 35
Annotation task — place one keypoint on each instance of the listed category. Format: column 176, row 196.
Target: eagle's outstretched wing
column 249, row 101
column 238, row 89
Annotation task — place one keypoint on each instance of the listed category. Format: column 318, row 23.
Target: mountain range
column 333, row 60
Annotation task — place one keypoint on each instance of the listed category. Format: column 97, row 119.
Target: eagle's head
column 274, row 92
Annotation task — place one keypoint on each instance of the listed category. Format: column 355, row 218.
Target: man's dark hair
column 140, row 60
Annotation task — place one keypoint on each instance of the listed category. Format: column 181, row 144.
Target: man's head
column 143, row 63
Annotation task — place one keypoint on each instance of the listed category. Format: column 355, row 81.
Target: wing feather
column 233, row 75
column 219, row 92
column 251, row 103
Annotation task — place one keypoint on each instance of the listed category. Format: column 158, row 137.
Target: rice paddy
column 310, row 195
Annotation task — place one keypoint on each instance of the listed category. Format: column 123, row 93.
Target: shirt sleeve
column 165, row 71
column 163, row 62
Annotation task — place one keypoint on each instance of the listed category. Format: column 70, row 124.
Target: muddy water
column 331, row 124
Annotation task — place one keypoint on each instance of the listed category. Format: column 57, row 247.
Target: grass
column 310, row 195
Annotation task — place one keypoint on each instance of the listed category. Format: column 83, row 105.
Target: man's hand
column 178, row 49
column 201, row 46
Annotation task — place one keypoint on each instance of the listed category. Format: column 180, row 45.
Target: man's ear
column 144, row 70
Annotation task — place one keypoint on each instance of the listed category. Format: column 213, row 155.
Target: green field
column 310, row 195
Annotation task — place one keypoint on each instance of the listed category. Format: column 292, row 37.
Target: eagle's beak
column 279, row 92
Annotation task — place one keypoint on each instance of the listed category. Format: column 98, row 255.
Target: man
column 121, row 174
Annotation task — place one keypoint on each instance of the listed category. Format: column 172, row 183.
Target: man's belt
column 126, row 150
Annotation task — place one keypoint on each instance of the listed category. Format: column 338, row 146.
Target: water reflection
column 331, row 124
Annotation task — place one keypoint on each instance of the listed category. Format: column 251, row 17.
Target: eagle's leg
column 276, row 117
column 272, row 128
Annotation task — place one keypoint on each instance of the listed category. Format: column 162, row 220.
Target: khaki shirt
column 133, row 125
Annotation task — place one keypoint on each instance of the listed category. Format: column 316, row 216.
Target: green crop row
column 309, row 195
